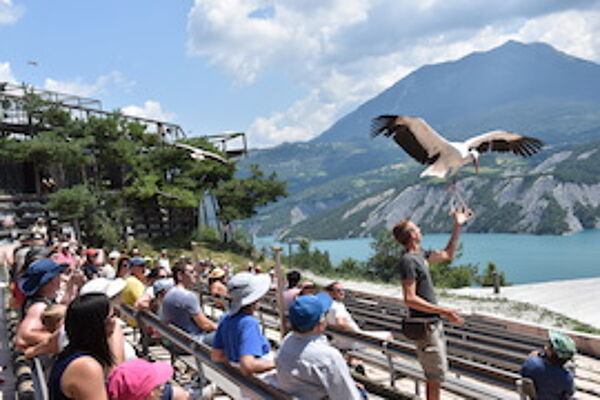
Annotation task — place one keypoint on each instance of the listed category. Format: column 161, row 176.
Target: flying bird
column 445, row 158
column 200, row 154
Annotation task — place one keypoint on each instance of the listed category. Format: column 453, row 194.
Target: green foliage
column 552, row 221
column 75, row 202
column 487, row 278
column 313, row 260
column 107, row 168
column 587, row 215
column 239, row 197
column 206, row 234
column 446, row 276
column 384, row 262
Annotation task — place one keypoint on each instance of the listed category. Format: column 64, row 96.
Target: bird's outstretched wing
column 414, row 135
column 200, row 154
column 502, row 141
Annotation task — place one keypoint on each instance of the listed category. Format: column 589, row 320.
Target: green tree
column 239, row 198
column 384, row 262
column 486, row 279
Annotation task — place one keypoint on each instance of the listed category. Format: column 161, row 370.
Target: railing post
column 279, row 297
column 145, row 339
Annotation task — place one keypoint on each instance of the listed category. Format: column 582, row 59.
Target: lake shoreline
column 523, row 258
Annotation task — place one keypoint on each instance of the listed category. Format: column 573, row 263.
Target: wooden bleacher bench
column 227, row 378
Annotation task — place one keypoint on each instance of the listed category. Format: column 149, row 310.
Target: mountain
column 489, row 90
column 531, row 89
column 558, row 194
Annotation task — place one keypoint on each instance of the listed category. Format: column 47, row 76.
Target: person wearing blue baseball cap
column 308, row 367
column 546, row 368
column 40, row 284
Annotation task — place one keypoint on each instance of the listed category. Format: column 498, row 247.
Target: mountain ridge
column 532, row 89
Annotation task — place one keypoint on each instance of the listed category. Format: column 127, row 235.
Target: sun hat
column 216, row 273
column 306, row 311
column 91, row 252
column 162, row 284
column 245, row 288
column 109, row 287
column 562, row 345
column 38, row 274
column 137, row 261
column 113, row 255
column 135, row 379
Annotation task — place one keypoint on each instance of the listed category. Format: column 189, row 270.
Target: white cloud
column 79, row 87
column 344, row 52
column 151, row 109
column 9, row 12
column 6, row 74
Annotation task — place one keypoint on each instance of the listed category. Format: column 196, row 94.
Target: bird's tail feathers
column 436, row 170
column 383, row 124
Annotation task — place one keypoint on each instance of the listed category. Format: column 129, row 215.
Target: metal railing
column 228, row 378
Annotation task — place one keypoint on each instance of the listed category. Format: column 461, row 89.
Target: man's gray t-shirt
column 308, row 367
column 178, row 308
column 414, row 266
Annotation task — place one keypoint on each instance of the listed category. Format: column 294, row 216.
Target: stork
column 200, row 154
column 445, row 158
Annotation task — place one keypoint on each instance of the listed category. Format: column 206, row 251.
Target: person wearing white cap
column 239, row 339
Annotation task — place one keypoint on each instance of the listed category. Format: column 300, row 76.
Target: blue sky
column 279, row 70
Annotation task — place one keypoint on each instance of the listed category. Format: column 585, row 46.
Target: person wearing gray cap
column 239, row 339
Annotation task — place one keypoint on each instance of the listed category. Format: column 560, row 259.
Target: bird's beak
column 476, row 164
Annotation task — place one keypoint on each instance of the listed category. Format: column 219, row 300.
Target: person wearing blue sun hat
column 308, row 367
column 40, row 284
column 547, row 370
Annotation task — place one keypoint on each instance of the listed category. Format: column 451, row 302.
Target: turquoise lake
column 522, row 258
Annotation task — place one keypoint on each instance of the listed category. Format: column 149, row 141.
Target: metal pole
column 280, row 306
column 496, row 281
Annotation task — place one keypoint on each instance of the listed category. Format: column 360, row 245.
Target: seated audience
column 144, row 302
column 307, row 288
column 120, row 349
column 139, row 379
column 239, row 339
column 90, row 265
column 135, row 284
column 40, row 284
column 181, row 306
column 79, row 370
column 546, row 369
column 216, row 286
column 338, row 317
column 292, row 290
column 308, row 367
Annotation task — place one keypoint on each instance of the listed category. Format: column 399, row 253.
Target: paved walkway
column 577, row 298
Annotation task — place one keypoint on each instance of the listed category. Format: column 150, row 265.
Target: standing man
column 419, row 296
column 181, row 306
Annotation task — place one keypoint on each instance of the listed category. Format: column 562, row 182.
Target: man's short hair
column 402, row 231
column 293, row 277
column 179, row 267
column 331, row 286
